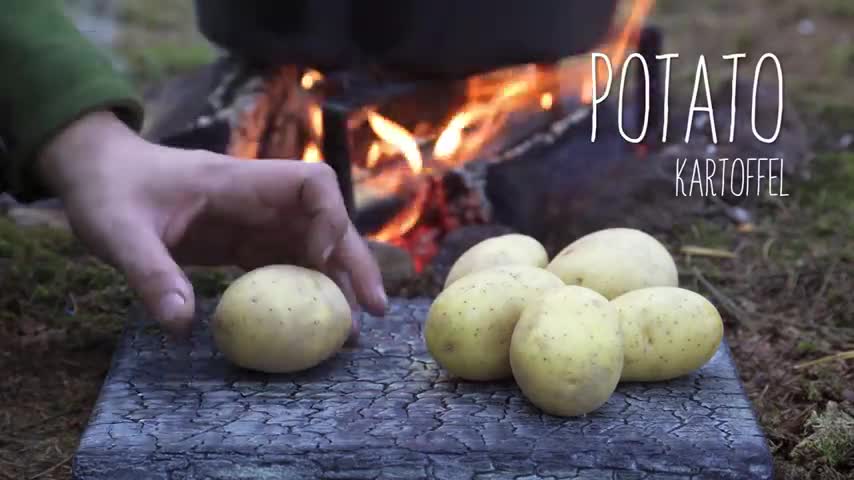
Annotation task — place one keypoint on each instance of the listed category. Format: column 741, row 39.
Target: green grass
column 832, row 439
column 817, row 67
column 837, row 8
column 155, row 39
column 150, row 61
column 50, row 280
column 829, row 196
column 159, row 39
column 157, row 14
column 807, row 346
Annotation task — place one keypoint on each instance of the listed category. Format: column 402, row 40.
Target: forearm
column 50, row 76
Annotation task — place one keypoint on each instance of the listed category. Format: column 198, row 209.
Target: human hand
column 146, row 208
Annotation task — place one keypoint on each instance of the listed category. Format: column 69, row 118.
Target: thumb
column 161, row 284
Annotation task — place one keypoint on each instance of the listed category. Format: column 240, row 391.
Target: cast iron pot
column 442, row 38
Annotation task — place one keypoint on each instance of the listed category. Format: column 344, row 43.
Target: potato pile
column 606, row 309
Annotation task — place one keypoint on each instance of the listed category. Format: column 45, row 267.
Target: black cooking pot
column 444, row 38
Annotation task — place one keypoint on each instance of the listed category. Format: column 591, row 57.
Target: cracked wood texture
column 383, row 409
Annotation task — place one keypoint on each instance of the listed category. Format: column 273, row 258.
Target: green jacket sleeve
column 50, row 75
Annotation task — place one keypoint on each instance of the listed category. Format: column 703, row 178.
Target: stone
column 383, row 409
column 395, row 264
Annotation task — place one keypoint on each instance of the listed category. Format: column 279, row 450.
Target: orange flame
column 397, row 136
column 616, row 48
column 546, row 101
column 492, row 96
column 311, row 154
column 374, row 153
column 315, row 120
column 451, row 137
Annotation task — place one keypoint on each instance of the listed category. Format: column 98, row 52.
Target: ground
column 786, row 297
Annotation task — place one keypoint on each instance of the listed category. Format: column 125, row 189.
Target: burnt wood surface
column 383, row 409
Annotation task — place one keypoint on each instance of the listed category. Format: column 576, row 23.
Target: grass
column 790, row 288
column 159, row 39
column 155, row 39
column 152, row 61
column 792, row 281
column 61, row 313
column 49, row 279
column 816, row 66
column 813, row 225
column 831, row 437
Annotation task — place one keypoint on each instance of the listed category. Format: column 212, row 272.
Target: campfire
column 421, row 156
column 414, row 157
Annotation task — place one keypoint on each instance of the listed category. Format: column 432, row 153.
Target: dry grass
column 60, row 314
column 786, row 299
column 788, row 292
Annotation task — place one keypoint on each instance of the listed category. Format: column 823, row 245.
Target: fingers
column 268, row 194
column 342, row 279
column 351, row 265
column 289, row 195
column 353, row 256
column 154, row 275
column 320, row 197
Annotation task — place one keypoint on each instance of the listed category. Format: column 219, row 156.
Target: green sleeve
column 50, row 75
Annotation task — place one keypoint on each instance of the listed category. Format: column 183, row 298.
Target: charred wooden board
column 383, row 409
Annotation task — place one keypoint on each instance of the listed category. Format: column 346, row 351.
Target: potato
column 567, row 351
column 668, row 332
column 470, row 323
column 615, row 261
column 281, row 318
column 510, row 249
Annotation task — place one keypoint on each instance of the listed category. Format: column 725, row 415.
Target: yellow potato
column 281, row 318
column 668, row 332
column 510, row 249
column 470, row 323
column 567, row 351
column 615, row 261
